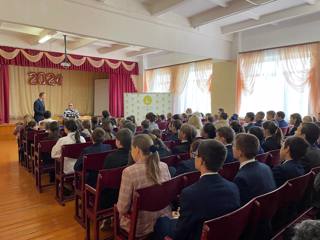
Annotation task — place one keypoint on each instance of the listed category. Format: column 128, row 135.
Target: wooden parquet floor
column 25, row 213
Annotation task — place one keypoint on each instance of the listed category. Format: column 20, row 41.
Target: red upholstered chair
column 150, row 199
column 91, row 162
column 70, row 151
column 229, row 170
column 171, row 160
column 44, row 147
column 190, row 178
column 112, row 143
column 20, row 139
column 34, row 147
column 29, row 138
column 262, row 157
column 298, row 187
column 316, row 170
column 170, row 144
column 274, row 158
column 232, row 225
column 111, row 179
column 184, row 156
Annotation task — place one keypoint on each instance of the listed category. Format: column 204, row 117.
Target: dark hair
column 71, row 125
column 248, row 144
column 297, row 119
column 236, row 126
column 94, row 121
column 106, row 125
column 41, row 94
column 162, row 117
column 176, row 117
column 258, row 132
column 130, row 125
column 210, row 119
column 213, row 154
column 105, row 114
column 31, row 124
column 145, row 124
column 227, row 133
column 224, row 116
column 190, row 132
column 47, row 114
column 132, row 119
column 274, row 130
column 53, row 127
column 250, row 116
column 260, row 115
column 98, row 135
column 157, row 132
column 272, row 113
column 124, row 136
column 210, row 130
column 176, row 124
column 221, row 110
column 151, row 116
column 311, row 132
column 281, row 114
column 297, row 147
column 86, row 124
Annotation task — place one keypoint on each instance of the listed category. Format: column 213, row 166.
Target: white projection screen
column 139, row 104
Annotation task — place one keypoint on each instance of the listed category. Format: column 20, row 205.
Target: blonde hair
column 145, row 144
column 307, row 119
column 195, row 121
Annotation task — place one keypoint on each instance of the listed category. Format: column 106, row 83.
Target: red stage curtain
column 119, row 84
column 4, row 94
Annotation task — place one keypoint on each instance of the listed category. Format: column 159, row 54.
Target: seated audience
column 307, row 230
column 253, row 178
column 86, row 125
column 162, row 118
column 280, row 119
column 47, row 119
column 310, row 132
column 98, row 137
column 189, row 111
column 259, row 119
column 236, row 126
column 130, row 125
column 94, row 122
column 31, row 125
column 132, row 118
column 258, row 132
column 169, row 117
column 307, row 119
column 187, row 134
column 234, row 117
column 249, row 119
column 295, row 121
column 146, row 171
column 222, row 121
column 292, row 151
column 225, row 135
column 195, row 121
column 107, row 127
column 73, row 136
column 174, row 128
column 105, row 115
column 212, row 196
column 145, row 125
column 152, row 118
column 22, row 125
column 272, row 136
column 208, row 131
column 271, row 115
column 162, row 149
column 157, row 133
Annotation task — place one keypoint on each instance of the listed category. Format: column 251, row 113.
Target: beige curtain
column 203, row 75
column 158, row 80
column 77, row 87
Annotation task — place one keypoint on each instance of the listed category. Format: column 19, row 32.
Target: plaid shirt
column 134, row 177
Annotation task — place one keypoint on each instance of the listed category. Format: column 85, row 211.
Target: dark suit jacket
column 250, row 125
column 118, row 158
column 39, row 109
column 282, row 124
column 212, row 196
column 173, row 137
column 270, row 144
column 311, row 159
column 181, row 148
column 185, row 167
column 229, row 158
column 254, row 179
column 286, row 171
column 258, row 123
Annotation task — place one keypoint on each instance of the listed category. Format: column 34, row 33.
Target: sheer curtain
column 277, row 79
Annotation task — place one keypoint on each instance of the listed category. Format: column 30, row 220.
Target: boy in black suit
column 259, row 119
column 254, row 178
column 225, row 135
column 212, row 196
column 293, row 150
column 208, row 131
column 187, row 134
column 39, row 107
column 145, row 124
column 249, row 119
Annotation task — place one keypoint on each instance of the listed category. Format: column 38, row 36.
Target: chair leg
column 96, row 229
column 87, row 228
column 39, row 181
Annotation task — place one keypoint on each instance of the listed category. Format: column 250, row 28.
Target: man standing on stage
column 39, row 107
column 70, row 112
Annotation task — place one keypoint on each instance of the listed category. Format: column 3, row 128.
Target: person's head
column 94, row 121
column 42, row 95
column 162, row 117
column 223, row 116
column 208, row 131
column 105, row 114
column 271, row 115
column 225, row 135
column 295, row 119
column 211, row 156
column 132, row 119
column 194, row 148
column 280, row 116
column 307, row 119
column 270, row 129
column 189, row 111
column 53, row 127
column 258, row 132
column 210, row 119
column 145, row 124
column 294, row 148
column 169, row 116
column 130, row 125
column 307, row 230
column 260, row 116
column 31, row 124
column 86, row 124
column 246, row 147
column 220, row 110
column 151, row 117
column 79, row 124
column 187, row 133
column 236, row 126
column 98, row 135
column 47, row 114
column 124, row 138
column 309, row 131
column 143, row 150
column 177, row 117
column 27, row 118
column 106, row 125
column 70, row 106
column 249, row 118
column 175, row 125
column 157, row 132
column 234, row 117
column 195, row 121
column 70, row 126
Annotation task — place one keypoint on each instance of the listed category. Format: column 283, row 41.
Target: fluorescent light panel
column 45, row 38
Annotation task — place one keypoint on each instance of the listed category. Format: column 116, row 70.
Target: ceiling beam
column 216, row 13
column 311, row 2
column 157, row 7
column 220, row 3
column 112, row 48
column 34, row 40
column 82, row 42
column 144, row 51
column 272, row 18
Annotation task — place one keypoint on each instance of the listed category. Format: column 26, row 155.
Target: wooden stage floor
column 25, row 213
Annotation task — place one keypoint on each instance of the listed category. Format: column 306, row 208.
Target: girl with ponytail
column 146, row 171
column 273, row 136
column 73, row 136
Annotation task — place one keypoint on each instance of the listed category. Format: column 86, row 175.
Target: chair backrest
column 170, row 144
column 316, row 170
column 46, row 146
column 298, row 187
column 112, row 143
column 184, row 156
column 171, row 160
column 190, row 178
column 262, row 157
column 220, row 228
column 229, row 170
column 38, row 137
column 274, row 158
column 94, row 162
column 73, row 150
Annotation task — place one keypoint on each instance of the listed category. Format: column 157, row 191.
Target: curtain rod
column 179, row 64
column 292, row 45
